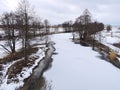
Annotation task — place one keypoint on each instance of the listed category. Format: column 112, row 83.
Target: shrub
column 112, row 55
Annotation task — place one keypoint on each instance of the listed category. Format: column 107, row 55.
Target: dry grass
column 17, row 55
column 1, row 68
column 17, row 67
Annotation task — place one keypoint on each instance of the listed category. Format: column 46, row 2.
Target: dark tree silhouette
column 24, row 13
column 9, row 22
column 109, row 27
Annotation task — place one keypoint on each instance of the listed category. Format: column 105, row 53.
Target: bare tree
column 46, row 26
column 109, row 27
column 36, row 26
column 24, row 14
column 9, row 22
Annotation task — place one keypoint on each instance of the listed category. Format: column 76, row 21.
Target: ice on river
column 79, row 68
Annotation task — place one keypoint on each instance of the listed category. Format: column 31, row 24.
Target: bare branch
column 5, row 48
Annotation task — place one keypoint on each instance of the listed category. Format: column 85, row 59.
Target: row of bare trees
column 84, row 27
column 22, row 24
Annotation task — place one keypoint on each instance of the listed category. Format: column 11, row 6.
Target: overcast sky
column 58, row 11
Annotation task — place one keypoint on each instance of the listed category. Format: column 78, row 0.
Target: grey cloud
column 58, row 11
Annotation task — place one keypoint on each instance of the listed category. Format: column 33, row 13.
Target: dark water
column 38, row 84
column 37, row 80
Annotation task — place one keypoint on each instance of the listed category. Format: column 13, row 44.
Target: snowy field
column 110, row 38
column 76, row 67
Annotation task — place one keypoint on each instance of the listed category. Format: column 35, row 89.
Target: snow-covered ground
column 26, row 72
column 76, row 67
column 110, row 38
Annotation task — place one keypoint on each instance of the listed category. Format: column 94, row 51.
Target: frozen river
column 76, row 67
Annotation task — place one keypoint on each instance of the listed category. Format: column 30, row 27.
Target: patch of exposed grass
column 1, row 67
column 17, row 55
column 17, row 67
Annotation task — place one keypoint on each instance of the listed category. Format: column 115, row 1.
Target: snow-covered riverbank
column 26, row 71
column 30, row 83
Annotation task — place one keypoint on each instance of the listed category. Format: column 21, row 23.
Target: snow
column 110, row 38
column 2, row 51
column 75, row 67
column 26, row 72
column 79, row 68
column 61, row 29
column 4, row 85
column 2, row 33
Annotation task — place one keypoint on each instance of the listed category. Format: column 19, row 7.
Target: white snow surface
column 76, row 67
column 110, row 38
column 3, row 52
